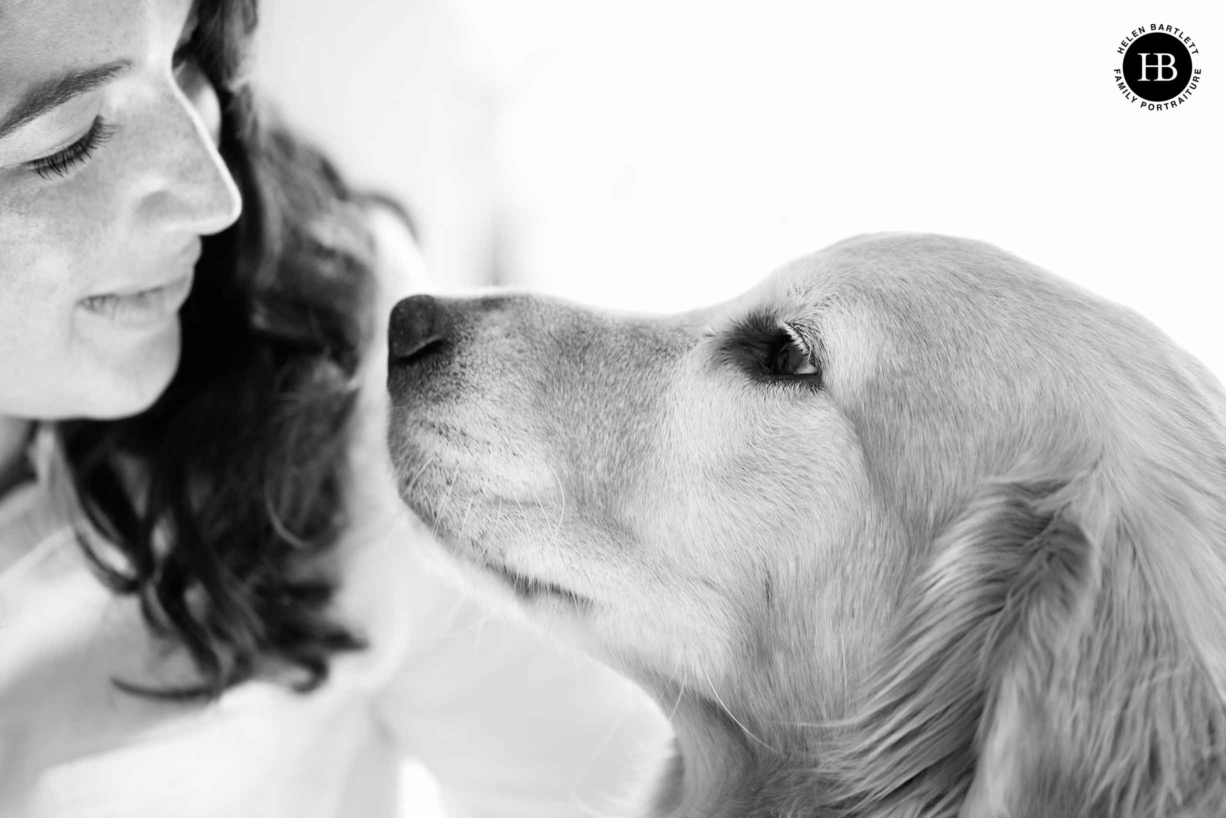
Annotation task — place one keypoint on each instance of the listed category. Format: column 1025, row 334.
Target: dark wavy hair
column 227, row 534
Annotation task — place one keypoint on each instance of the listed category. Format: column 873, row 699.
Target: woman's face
column 109, row 176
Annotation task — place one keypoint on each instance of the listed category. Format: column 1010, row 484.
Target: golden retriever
column 913, row 528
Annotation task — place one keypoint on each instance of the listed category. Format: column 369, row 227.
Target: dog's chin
column 530, row 590
column 476, row 561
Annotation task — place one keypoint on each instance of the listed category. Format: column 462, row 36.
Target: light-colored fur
column 981, row 571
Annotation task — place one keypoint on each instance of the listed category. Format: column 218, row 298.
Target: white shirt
column 508, row 722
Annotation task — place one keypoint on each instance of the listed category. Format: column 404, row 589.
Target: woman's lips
column 145, row 306
column 141, row 308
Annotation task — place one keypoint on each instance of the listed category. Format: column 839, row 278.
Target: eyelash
column 788, row 338
column 62, row 163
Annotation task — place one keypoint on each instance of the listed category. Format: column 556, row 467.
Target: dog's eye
column 792, row 357
column 773, row 351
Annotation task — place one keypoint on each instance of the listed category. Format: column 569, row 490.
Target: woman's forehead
column 53, row 49
column 41, row 36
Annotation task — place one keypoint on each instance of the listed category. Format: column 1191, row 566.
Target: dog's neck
column 724, row 768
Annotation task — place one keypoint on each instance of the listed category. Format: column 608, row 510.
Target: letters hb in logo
column 1157, row 66
column 1164, row 62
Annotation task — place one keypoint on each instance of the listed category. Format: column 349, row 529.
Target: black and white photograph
column 574, row 409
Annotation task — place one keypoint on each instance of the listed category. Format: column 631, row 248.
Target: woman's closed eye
column 63, row 162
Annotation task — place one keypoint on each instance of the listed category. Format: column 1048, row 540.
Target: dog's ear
column 1102, row 671
column 1063, row 655
column 1040, row 591
column 1011, row 587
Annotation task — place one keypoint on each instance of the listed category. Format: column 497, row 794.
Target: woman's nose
column 193, row 190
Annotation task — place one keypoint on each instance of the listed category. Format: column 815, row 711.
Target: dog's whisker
column 409, row 488
column 487, row 547
column 537, row 497
column 681, row 683
column 523, row 515
column 477, row 629
column 677, row 663
column 557, row 533
column 744, row 729
column 442, row 506
column 464, row 520
column 497, row 517
column 843, row 664
column 677, row 704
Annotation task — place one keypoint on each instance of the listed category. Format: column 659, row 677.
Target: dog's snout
column 419, row 327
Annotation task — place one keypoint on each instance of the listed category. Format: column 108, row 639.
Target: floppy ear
column 1045, row 587
column 1102, row 670
column 1011, row 586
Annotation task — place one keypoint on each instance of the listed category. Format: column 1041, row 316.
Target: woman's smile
column 148, row 301
column 141, row 309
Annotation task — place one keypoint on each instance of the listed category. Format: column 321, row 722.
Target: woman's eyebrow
column 54, row 92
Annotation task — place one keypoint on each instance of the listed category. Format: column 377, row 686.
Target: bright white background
column 662, row 154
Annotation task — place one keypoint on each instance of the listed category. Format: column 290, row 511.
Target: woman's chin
column 128, row 383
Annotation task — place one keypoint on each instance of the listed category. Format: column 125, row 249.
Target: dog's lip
column 532, row 588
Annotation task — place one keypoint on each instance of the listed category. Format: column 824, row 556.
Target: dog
column 912, row 528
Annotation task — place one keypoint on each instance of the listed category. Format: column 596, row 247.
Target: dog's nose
column 418, row 328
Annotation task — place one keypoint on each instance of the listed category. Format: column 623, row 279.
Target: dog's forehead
column 887, row 268
column 923, row 300
column 906, row 280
